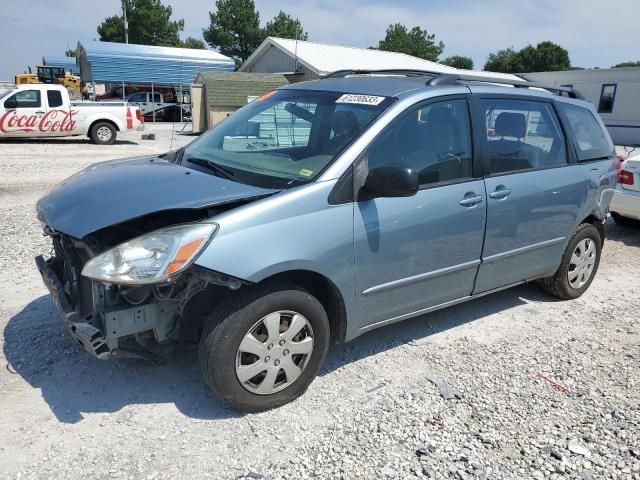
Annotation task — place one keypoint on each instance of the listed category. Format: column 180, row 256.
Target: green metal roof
column 232, row 89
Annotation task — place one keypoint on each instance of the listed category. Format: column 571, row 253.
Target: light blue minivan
column 323, row 210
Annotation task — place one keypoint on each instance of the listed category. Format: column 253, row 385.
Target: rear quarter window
column 589, row 137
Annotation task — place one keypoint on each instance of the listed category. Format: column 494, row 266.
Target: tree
column 416, row 42
column 234, row 29
column 627, row 64
column 284, row 26
column 69, row 53
column 149, row 24
column 191, row 42
column 458, row 61
column 506, row 61
column 544, row 57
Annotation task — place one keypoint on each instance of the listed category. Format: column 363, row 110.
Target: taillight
column 625, row 178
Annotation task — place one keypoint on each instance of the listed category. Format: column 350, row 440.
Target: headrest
column 510, row 124
column 344, row 123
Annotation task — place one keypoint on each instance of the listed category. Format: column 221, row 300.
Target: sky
column 596, row 33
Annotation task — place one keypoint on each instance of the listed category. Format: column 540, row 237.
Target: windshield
column 286, row 137
column 5, row 91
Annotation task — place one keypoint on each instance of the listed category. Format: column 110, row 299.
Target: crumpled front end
column 111, row 320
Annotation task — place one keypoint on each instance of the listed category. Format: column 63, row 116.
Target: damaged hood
column 109, row 193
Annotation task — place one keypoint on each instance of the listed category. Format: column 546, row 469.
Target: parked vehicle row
column 625, row 205
column 42, row 110
column 387, row 197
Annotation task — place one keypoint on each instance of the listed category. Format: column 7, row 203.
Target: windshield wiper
column 214, row 167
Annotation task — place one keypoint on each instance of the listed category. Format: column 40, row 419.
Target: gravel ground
column 535, row 388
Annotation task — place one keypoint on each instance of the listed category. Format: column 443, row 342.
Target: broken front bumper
column 90, row 337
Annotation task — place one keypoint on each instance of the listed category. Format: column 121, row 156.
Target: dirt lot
column 374, row 412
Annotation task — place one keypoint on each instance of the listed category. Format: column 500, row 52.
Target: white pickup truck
column 46, row 111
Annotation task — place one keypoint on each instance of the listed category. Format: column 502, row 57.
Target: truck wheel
column 579, row 264
column 103, row 133
column 262, row 347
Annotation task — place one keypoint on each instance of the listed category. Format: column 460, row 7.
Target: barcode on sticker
column 360, row 99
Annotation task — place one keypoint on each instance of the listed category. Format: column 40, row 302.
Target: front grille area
column 70, row 257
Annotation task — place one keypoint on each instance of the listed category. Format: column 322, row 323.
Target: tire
column 103, row 133
column 560, row 285
column 624, row 221
column 223, row 357
column 73, row 93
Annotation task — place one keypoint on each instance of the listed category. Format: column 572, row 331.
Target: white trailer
column 614, row 91
column 40, row 110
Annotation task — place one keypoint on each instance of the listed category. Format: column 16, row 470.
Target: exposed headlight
column 153, row 257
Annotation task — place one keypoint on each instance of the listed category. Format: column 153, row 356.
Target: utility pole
column 126, row 24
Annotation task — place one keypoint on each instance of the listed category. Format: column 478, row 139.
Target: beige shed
column 215, row 95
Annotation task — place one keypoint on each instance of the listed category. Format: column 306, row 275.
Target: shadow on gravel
column 61, row 141
column 421, row 327
column 38, row 348
column 628, row 235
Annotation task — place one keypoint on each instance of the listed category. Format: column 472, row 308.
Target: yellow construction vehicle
column 52, row 74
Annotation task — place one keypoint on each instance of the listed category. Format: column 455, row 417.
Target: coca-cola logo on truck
column 53, row 121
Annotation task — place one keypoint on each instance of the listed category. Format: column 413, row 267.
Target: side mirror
column 392, row 181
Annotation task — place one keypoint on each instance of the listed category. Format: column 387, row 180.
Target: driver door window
column 24, row 99
column 434, row 140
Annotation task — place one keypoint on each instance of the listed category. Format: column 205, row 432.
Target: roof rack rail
column 440, row 78
column 398, row 71
column 567, row 91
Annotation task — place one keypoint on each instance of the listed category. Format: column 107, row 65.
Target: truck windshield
column 286, row 137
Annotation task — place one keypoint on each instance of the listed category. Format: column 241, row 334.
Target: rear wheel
column 263, row 347
column 579, row 264
column 103, row 133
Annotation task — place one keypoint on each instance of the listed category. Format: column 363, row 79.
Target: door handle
column 471, row 201
column 39, row 113
column 500, row 194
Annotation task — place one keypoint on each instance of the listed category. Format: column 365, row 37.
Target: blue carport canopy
column 143, row 64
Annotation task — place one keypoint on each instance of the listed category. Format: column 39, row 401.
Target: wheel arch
column 327, row 294
column 592, row 219
column 103, row 120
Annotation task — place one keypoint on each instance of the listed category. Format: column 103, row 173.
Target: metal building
column 614, row 91
column 143, row 64
column 69, row 63
column 301, row 60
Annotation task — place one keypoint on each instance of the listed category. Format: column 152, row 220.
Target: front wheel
column 579, row 264
column 103, row 133
column 263, row 346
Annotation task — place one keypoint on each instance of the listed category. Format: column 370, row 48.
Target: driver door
column 24, row 110
column 414, row 253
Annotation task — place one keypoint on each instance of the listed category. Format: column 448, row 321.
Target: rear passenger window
column 522, row 135
column 434, row 140
column 54, row 98
column 591, row 141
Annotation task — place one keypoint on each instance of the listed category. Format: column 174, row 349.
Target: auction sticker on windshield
column 360, row 99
